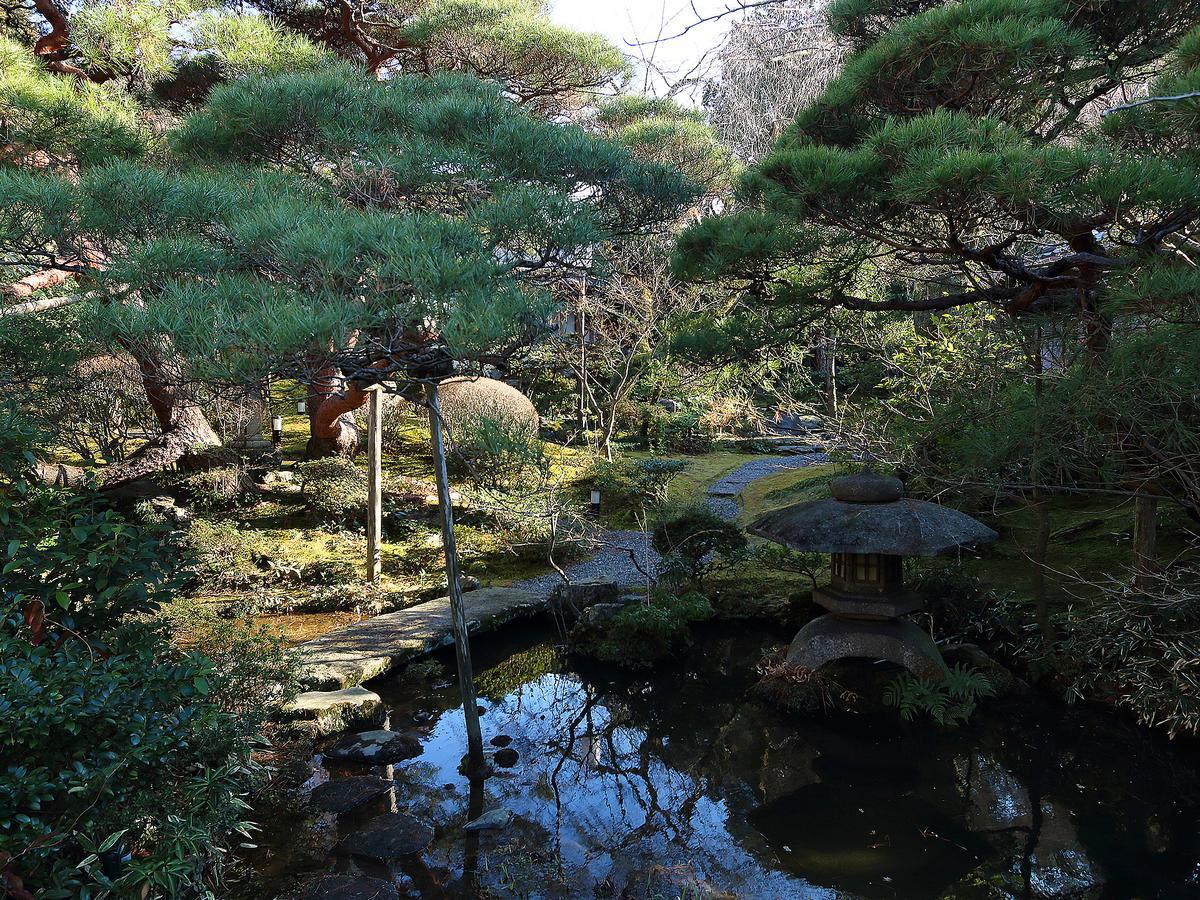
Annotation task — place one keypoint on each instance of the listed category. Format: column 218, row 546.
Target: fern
column 949, row 702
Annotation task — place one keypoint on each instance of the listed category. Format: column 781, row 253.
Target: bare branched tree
column 773, row 62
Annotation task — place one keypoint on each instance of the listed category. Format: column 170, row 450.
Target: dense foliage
column 126, row 757
column 939, row 187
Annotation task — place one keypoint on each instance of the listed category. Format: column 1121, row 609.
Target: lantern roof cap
column 866, row 486
column 898, row 526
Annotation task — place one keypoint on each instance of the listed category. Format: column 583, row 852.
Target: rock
column 336, row 711
column 599, row 614
column 378, row 748
column 344, row 794
column 422, row 715
column 581, row 595
column 390, row 836
column 501, row 740
column 170, row 511
column 466, row 583
column 506, row 757
column 349, row 887
column 491, row 820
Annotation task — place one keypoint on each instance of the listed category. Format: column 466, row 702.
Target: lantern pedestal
column 899, row 641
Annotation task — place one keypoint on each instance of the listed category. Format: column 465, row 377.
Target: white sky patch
column 628, row 22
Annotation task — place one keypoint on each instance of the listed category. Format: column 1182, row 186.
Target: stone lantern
column 868, row 528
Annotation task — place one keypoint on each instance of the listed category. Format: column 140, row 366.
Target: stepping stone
column 501, row 740
column 335, row 711
column 377, row 748
column 506, row 757
column 491, row 820
column 349, row 887
column 390, row 836
column 344, row 794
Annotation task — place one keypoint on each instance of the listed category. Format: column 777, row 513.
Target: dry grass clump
column 800, row 690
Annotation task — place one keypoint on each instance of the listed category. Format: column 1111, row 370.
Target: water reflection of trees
column 619, row 775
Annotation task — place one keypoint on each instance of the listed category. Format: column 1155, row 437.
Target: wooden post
column 458, row 616
column 375, row 485
column 1145, row 540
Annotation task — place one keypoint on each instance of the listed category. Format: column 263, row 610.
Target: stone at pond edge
column 390, row 836
column 490, row 820
column 506, row 757
column 380, row 748
column 581, row 595
column 335, row 711
column 349, row 887
column 344, row 794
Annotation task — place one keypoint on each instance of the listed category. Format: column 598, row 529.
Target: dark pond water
column 680, row 784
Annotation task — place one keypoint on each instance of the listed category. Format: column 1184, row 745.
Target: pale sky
column 629, row 21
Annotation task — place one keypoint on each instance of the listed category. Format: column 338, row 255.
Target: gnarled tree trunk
column 332, row 429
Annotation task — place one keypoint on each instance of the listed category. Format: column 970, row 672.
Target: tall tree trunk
column 1145, row 539
column 1041, row 603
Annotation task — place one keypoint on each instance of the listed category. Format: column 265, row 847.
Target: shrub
column 694, row 539
column 335, row 489
column 685, row 431
column 645, row 632
column 223, row 552
column 492, row 429
column 1140, row 650
column 221, row 487
column 635, row 482
column 127, row 757
column 467, row 402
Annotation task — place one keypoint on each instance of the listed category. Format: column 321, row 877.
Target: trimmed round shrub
column 492, row 429
column 471, row 406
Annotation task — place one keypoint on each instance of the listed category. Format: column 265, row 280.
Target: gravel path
column 724, row 498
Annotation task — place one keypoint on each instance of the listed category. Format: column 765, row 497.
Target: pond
column 679, row 783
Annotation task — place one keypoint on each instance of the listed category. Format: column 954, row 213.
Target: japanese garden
column 522, row 449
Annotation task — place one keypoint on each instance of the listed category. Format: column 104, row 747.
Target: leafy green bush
column 680, row 432
column 949, row 702
column 498, row 453
column 222, row 553
column 694, row 539
column 647, row 631
column 126, row 756
column 635, row 482
column 335, row 489
column 221, row 487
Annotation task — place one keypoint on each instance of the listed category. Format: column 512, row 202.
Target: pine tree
column 243, row 203
column 963, row 152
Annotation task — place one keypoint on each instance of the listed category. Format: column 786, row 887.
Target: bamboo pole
column 462, row 646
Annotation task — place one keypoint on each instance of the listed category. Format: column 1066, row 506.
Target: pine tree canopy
column 962, row 149
column 293, row 220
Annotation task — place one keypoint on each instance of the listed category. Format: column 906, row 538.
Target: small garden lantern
column 595, row 500
column 868, row 528
column 277, row 430
column 302, row 406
